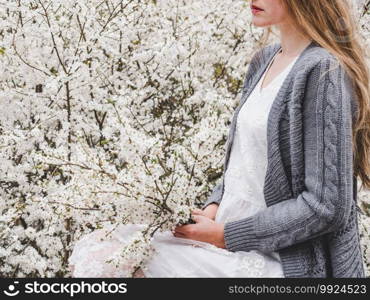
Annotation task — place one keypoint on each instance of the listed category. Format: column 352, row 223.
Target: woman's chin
column 260, row 22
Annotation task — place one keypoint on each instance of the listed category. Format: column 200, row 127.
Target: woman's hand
column 209, row 212
column 204, row 230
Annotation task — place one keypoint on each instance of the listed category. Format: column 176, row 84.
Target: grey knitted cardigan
column 309, row 188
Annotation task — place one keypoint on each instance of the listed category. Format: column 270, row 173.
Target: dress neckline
column 259, row 86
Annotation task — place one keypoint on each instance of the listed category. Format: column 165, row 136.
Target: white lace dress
column 243, row 197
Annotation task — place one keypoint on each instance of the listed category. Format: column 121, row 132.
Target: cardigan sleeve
column 216, row 195
column 325, row 203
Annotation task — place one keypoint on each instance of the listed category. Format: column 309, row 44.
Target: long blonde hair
column 332, row 25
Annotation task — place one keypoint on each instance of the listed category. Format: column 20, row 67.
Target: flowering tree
column 111, row 106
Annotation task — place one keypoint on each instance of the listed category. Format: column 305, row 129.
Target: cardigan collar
column 276, row 108
column 258, row 75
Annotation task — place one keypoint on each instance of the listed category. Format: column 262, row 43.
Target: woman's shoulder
column 315, row 65
column 319, row 57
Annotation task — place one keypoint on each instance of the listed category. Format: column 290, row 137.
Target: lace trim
column 251, row 265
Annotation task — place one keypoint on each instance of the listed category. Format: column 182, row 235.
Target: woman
column 286, row 206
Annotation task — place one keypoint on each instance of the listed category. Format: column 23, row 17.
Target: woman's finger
column 197, row 211
column 178, row 234
column 198, row 218
column 181, row 229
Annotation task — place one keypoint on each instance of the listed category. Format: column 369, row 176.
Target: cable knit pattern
column 310, row 190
